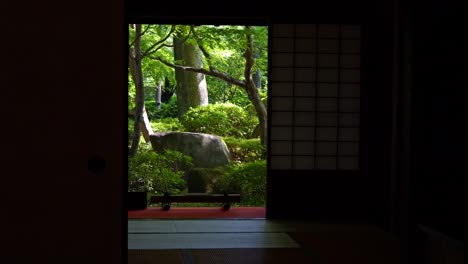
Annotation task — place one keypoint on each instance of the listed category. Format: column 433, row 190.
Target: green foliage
column 153, row 70
column 168, row 110
column 157, row 172
column 226, row 45
column 131, row 92
column 245, row 150
column 248, row 179
column 219, row 119
column 201, row 179
column 130, row 124
column 167, row 124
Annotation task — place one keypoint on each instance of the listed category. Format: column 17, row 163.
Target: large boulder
column 207, row 151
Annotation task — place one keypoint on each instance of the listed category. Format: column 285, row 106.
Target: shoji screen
column 315, row 97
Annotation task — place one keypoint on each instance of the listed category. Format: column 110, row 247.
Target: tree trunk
column 141, row 118
column 257, row 78
column 158, row 94
column 145, row 126
column 191, row 87
column 260, row 109
column 252, row 90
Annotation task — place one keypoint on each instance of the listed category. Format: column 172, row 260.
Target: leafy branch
column 211, row 72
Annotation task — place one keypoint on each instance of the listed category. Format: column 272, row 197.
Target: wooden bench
column 225, row 199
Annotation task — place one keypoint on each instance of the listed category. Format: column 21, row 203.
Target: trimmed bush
column 167, row 124
column 249, row 179
column 157, row 173
column 200, row 180
column 226, row 120
column 168, row 110
column 245, row 150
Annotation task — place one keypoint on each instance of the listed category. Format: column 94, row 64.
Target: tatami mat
column 222, row 256
column 257, row 241
column 210, row 240
column 207, row 226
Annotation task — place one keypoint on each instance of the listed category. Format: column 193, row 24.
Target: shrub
column 219, row 119
column 249, row 179
column 130, row 124
column 245, row 150
column 168, row 110
column 167, row 124
column 201, row 179
column 157, row 172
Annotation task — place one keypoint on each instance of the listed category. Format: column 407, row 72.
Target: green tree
column 191, row 87
column 233, row 35
column 136, row 72
column 136, row 56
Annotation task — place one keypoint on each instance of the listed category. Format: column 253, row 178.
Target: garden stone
column 207, row 151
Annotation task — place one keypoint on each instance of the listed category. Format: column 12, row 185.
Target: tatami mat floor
column 257, row 241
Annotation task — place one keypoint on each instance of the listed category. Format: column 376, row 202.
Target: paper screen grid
column 315, row 96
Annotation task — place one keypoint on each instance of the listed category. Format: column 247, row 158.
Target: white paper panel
column 327, row 119
column 326, row 104
column 327, row 75
column 283, row 74
column 282, row 89
column 326, row 163
column 304, row 119
column 349, row 119
column 282, row 103
column 310, row 83
column 305, row 31
column 304, row 163
column 349, row 134
column 281, row 133
column 304, row 148
column 328, row 60
column 349, row 104
column 304, row 133
column 305, row 60
column 281, row 118
column 283, row 30
column 350, row 90
column 326, row 148
column 350, row 75
column 281, row 162
column 350, row 61
column 328, row 31
column 281, row 148
column 304, row 89
column 282, row 45
column 305, row 74
column 328, row 90
column 282, row 60
column 326, row 133
column 350, row 46
column 348, row 148
column 305, row 45
column 328, row 45
column 304, row 104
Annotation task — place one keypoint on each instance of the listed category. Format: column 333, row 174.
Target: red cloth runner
column 198, row 213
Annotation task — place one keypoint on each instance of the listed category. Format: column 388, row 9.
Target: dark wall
column 64, row 84
column 439, row 117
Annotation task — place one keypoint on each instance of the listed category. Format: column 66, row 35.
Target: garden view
column 197, row 119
